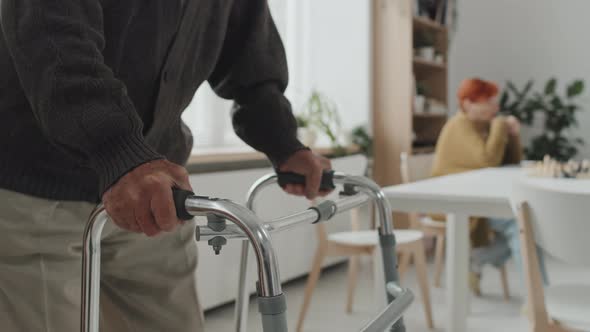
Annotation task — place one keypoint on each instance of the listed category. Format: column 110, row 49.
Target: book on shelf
column 435, row 10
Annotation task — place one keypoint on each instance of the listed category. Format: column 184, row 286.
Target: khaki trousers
column 147, row 284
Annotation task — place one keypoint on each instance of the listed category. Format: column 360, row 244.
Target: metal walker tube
column 268, row 270
column 386, row 236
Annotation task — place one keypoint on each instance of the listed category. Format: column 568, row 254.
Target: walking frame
column 245, row 225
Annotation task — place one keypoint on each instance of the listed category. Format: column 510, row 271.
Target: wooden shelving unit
column 426, row 23
column 422, row 149
column 430, row 115
column 396, row 69
column 421, row 64
column 433, row 76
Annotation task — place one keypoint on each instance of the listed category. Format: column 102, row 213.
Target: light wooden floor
column 489, row 313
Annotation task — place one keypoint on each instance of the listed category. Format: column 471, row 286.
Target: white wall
column 328, row 45
column 341, row 55
column 512, row 40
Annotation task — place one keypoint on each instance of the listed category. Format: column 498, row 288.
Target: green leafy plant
column 560, row 117
column 322, row 114
column 421, row 89
column 363, row 140
column 423, row 39
column 302, row 121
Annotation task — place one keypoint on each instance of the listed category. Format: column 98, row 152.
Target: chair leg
column 353, row 265
column 438, row 259
column 422, row 274
column 504, row 278
column 312, row 280
column 404, row 262
column 538, row 317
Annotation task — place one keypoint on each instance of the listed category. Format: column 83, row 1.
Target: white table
column 482, row 193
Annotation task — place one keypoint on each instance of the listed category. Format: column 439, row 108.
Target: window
column 328, row 45
column 208, row 116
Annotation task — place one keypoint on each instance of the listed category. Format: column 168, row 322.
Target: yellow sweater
column 462, row 147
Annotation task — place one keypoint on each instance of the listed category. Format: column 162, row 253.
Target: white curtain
column 208, row 116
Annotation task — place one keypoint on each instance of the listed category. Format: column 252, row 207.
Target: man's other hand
column 141, row 201
column 310, row 165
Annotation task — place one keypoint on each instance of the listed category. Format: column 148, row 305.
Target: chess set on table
column 551, row 168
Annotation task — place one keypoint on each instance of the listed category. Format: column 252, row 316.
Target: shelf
column 427, row 23
column 418, row 62
column 430, row 115
column 423, row 149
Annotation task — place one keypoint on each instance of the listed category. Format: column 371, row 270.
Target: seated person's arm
column 479, row 153
column 513, row 154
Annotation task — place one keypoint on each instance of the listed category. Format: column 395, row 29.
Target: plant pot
column 440, row 59
column 419, row 104
column 307, row 136
column 426, row 53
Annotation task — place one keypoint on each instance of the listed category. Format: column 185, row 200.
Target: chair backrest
column 416, row 167
column 559, row 212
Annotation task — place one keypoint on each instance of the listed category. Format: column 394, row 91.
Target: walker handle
column 180, row 196
column 326, row 184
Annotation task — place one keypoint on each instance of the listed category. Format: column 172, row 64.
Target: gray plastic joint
column 272, row 305
column 348, row 190
column 217, row 243
column 326, row 210
column 387, row 240
column 216, row 223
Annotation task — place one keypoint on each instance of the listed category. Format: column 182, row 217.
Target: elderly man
column 91, row 94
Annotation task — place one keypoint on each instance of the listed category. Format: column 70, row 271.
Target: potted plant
column 424, row 45
column 558, row 117
column 322, row 115
column 362, row 139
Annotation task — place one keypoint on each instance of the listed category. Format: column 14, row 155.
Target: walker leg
column 274, row 313
column 387, row 242
column 90, row 291
column 242, row 302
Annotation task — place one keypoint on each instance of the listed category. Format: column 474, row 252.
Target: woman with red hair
column 476, row 137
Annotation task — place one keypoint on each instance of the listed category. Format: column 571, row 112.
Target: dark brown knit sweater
column 90, row 89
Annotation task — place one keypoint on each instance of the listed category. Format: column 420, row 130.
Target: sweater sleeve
column 78, row 103
column 460, row 146
column 480, row 153
column 252, row 70
column 513, row 154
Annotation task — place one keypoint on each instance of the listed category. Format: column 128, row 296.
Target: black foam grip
column 180, row 196
column 285, row 178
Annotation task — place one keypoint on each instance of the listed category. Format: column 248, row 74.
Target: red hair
column 476, row 90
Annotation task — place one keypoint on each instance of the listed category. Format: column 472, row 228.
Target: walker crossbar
column 246, row 225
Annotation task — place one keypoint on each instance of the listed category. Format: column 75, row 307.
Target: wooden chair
column 557, row 221
column 409, row 244
column 418, row 167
